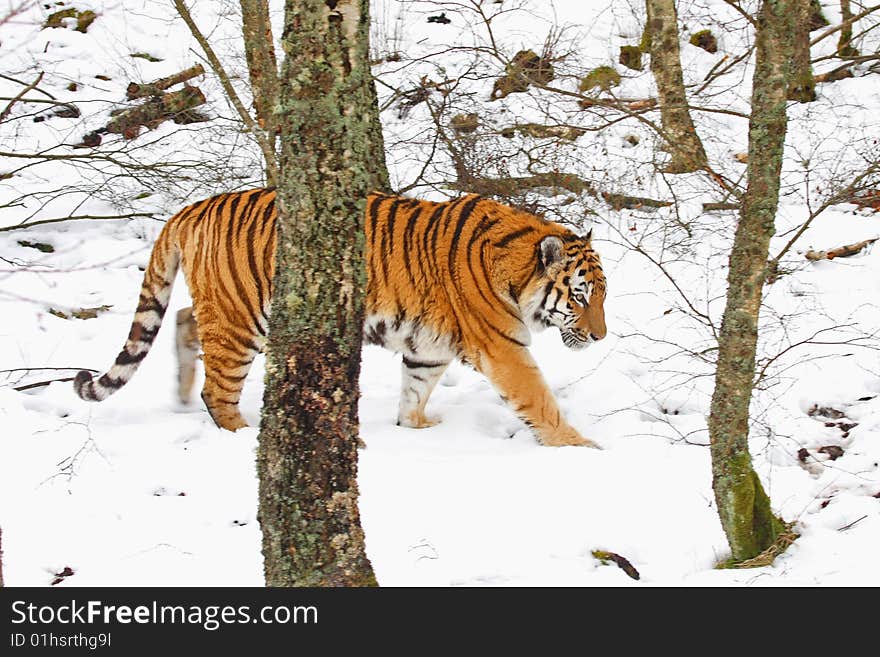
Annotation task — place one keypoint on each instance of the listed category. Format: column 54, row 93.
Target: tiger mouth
column 575, row 341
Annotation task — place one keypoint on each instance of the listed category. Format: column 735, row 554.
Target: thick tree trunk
column 331, row 158
column 259, row 50
column 743, row 506
column 801, row 85
column 682, row 140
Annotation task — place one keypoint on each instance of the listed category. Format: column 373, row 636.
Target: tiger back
column 467, row 279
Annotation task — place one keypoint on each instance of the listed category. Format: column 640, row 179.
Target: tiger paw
column 416, row 421
column 570, row 438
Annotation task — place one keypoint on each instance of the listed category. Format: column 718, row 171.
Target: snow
column 141, row 491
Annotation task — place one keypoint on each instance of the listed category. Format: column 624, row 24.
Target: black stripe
column 373, row 213
column 388, row 235
column 107, row 381
column 252, row 263
column 144, row 334
column 463, row 216
column 414, row 364
column 232, row 262
column 125, row 358
column 432, row 225
column 147, row 303
column 507, row 337
column 507, row 239
column 234, row 391
column 501, row 301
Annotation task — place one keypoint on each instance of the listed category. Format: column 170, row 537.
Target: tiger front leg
column 187, row 344
column 418, row 381
column 517, row 377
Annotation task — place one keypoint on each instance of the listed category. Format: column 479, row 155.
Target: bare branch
column 842, row 24
column 57, row 220
column 266, row 147
column 21, row 94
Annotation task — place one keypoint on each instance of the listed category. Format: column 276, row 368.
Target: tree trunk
column 743, row 506
column 682, row 140
column 844, row 42
column 259, row 50
column 801, row 85
column 331, row 157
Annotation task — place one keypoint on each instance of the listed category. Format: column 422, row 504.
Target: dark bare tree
column 331, row 157
column 743, row 506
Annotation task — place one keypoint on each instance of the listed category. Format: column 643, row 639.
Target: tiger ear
column 589, row 235
column 550, row 251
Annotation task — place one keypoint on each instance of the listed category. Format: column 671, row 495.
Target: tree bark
column 678, row 129
column 844, row 42
column 156, row 87
column 743, row 506
column 801, row 85
column 154, row 111
column 331, row 157
column 259, row 48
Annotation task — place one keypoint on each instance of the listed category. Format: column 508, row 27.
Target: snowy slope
column 138, row 490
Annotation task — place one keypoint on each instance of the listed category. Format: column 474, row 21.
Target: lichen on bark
column 331, row 158
column 678, row 129
column 743, row 506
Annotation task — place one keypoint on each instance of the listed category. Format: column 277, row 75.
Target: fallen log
column 157, row 109
column 716, row 207
column 840, row 252
column 156, row 87
column 624, row 202
column 839, row 73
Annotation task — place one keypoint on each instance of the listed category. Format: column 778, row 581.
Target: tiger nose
column 597, row 337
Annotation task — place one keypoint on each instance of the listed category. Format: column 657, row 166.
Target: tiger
column 468, row 279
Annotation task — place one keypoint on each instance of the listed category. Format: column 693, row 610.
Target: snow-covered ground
column 138, row 490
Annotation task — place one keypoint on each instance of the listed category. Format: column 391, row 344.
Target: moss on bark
column 743, row 506
column 678, row 129
column 801, row 84
column 331, row 158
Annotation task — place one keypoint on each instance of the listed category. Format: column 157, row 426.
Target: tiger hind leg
column 227, row 362
column 418, row 381
column 188, row 345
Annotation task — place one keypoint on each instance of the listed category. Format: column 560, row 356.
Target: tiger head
column 568, row 290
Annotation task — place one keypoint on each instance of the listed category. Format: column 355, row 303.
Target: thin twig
column 852, row 524
column 843, row 24
column 40, row 384
column 57, row 220
column 268, row 151
column 15, row 99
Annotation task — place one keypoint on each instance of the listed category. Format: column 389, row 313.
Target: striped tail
column 155, row 293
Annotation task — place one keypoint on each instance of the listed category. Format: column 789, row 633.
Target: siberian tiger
column 463, row 279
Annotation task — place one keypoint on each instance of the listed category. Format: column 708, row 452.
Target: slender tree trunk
column 801, row 85
column 331, row 157
column 844, row 42
column 683, row 142
column 743, row 506
column 259, row 50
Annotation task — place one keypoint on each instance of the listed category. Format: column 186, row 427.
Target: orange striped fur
column 463, row 279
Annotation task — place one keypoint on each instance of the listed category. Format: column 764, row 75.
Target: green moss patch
column 603, row 77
